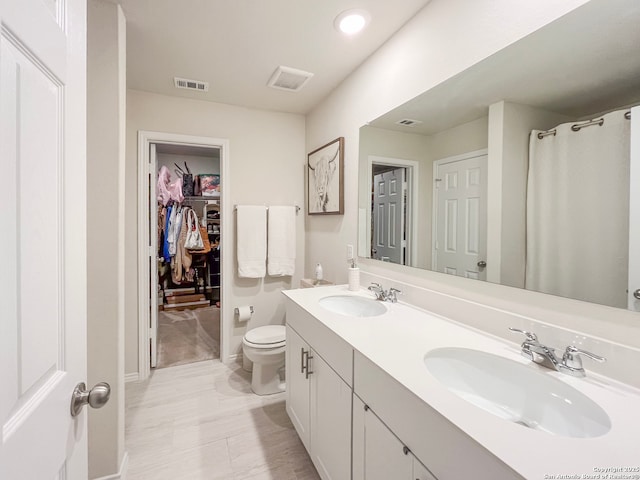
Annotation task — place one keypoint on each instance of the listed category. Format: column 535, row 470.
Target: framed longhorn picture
column 325, row 179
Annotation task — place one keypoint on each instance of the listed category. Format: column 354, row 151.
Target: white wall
column 443, row 39
column 106, row 66
column 267, row 158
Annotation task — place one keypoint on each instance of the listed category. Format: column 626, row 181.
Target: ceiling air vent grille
column 290, row 79
column 408, row 122
column 191, row 84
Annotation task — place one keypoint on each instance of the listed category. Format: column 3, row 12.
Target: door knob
column 482, row 264
column 97, row 397
column 636, row 293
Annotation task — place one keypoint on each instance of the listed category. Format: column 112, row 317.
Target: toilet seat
column 268, row 336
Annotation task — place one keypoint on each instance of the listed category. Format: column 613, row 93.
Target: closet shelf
column 203, row 198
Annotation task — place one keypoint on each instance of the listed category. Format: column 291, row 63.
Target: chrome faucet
column 383, row 295
column 571, row 363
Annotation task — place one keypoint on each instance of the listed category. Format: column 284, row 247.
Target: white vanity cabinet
column 377, row 453
column 298, row 391
column 319, row 405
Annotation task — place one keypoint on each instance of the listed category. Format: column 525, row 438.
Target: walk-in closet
column 185, row 208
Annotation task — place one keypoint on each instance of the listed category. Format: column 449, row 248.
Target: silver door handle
column 97, row 397
column 482, row 264
column 636, row 293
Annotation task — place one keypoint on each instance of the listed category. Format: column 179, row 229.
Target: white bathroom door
column 460, row 222
column 389, row 216
column 43, row 218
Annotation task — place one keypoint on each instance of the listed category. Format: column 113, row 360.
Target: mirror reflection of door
column 389, row 214
column 460, row 216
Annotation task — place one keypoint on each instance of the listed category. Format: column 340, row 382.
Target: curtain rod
column 577, row 126
column 235, row 208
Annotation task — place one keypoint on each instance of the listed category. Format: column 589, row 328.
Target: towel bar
column 235, row 207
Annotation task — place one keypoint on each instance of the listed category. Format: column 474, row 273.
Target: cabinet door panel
column 358, row 444
column 330, row 421
column 297, row 385
column 420, row 472
column 384, row 455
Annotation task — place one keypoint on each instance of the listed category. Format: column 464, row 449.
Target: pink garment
column 175, row 189
column 164, row 177
column 166, row 190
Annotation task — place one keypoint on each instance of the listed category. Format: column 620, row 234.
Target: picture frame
column 325, row 179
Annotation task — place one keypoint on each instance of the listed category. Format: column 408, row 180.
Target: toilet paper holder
column 237, row 310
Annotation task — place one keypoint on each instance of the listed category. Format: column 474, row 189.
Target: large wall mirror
column 518, row 170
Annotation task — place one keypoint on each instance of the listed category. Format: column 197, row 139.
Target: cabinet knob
column 406, row 450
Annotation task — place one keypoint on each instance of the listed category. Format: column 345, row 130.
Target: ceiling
column 236, row 45
column 582, row 64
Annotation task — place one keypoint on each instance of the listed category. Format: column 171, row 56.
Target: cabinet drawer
column 333, row 349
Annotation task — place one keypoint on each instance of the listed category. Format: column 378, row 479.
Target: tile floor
column 188, row 336
column 201, row 421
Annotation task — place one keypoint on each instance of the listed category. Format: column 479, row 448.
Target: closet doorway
column 182, row 300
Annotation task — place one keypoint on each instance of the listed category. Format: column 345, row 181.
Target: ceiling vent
column 290, row 79
column 191, row 84
column 408, row 122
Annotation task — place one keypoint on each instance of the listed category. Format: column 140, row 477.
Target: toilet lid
column 269, row 335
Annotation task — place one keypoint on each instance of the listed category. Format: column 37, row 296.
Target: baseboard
column 122, row 474
column 131, row 377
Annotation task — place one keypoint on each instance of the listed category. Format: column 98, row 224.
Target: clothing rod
column 577, row 126
column 235, row 208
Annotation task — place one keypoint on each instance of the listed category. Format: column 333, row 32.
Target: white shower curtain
column 578, row 212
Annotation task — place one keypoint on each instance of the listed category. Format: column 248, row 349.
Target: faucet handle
column 532, row 337
column 393, row 294
column 571, row 357
column 375, row 285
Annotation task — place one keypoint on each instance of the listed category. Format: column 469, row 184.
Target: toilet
column 265, row 346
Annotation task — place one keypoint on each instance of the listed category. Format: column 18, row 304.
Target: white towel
column 252, row 240
column 282, row 241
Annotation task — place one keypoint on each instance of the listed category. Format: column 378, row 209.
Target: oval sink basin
column 353, row 306
column 517, row 393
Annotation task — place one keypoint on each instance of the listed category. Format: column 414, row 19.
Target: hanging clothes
column 164, row 178
column 162, row 220
column 175, row 227
column 165, row 246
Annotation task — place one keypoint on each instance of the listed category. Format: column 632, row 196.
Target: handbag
column 187, row 180
column 194, row 238
column 205, row 242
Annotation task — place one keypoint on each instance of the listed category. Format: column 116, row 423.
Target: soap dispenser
column 318, row 274
column 354, row 276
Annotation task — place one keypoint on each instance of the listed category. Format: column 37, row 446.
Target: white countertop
column 397, row 342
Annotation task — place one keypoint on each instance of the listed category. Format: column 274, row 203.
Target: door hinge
column 151, row 250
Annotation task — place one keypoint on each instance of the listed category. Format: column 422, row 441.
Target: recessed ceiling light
column 351, row 22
